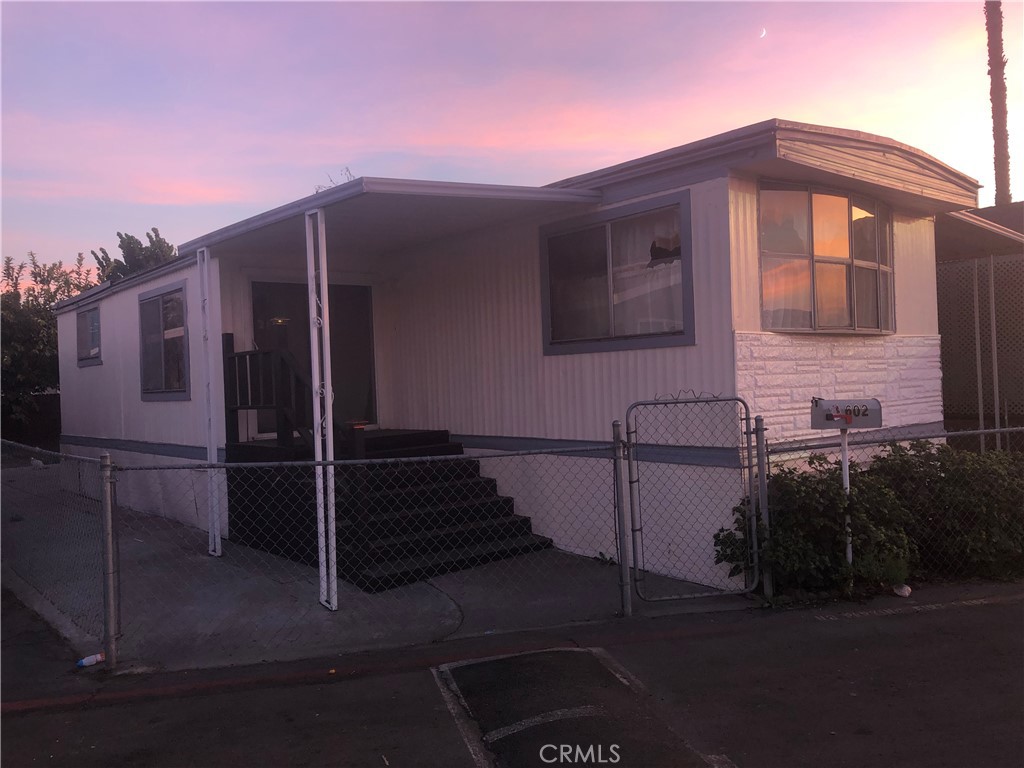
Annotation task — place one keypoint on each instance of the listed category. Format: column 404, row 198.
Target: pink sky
column 190, row 116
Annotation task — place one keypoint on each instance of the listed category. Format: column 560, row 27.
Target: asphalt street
column 936, row 680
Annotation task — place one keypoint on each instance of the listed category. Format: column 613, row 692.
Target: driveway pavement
column 933, row 680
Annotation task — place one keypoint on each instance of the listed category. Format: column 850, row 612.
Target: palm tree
column 997, row 92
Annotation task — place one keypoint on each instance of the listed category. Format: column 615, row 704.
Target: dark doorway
column 281, row 319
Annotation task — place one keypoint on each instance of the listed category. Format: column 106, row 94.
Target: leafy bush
column 965, row 510
column 924, row 511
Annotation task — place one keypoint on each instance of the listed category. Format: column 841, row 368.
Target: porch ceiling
column 369, row 218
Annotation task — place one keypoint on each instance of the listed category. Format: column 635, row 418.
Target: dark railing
column 268, row 380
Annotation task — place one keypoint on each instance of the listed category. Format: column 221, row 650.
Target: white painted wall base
column 176, row 493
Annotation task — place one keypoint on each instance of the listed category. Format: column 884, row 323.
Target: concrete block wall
column 778, row 374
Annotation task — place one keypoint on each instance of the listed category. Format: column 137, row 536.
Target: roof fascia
column 768, row 133
column 479, row 191
column 275, row 215
column 748, row 137
column 819, row 134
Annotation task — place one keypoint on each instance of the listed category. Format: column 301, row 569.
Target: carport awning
column 967, row 235
column 374, row 216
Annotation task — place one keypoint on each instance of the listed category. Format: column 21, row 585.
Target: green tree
column 135, row 256
column 28, row 328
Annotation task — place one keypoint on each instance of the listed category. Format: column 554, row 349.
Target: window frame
column 851, row 262
column 88, row 360
column 164, row 395
column 680, row 201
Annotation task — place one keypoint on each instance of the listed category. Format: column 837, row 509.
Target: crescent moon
column 764, row 33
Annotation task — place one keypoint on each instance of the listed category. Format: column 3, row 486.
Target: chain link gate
column 691, row 473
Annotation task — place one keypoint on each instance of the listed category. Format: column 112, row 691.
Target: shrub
column 965, row 510
column 922, row 510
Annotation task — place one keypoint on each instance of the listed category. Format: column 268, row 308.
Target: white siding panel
column 106, row 400
column 746, row 273
column 459, row 342
column 914, row 274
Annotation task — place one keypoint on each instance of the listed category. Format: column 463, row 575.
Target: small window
column 619, row 283
column 89, row 337
column 164, row 345
column 826, row 261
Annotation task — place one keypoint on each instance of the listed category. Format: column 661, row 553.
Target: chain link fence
column 222, row 564
column 211, row 565
column 51, row 538
column 689, row 475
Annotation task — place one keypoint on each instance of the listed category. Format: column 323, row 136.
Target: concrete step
column 374, row 478
column 416, row 496
column 426, row 449
column 359, row 527
column 394, row 573
column 368, row 551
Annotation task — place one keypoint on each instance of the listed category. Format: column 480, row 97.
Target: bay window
column 826, row 260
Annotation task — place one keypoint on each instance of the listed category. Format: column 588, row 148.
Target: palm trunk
column 997, row 92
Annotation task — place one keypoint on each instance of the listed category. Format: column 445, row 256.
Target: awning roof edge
column 985, row 224
column 385, row 186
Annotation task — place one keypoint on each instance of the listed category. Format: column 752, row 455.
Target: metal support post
column 621, row 520
column 753, row 575
column 845, row 447
column 323, row 405
column 994, row 343
column 636, row 528
column 212, row 494
column 762, row 503
column 977, row 359
column 111, row 624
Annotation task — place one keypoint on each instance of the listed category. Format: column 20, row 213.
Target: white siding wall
column 106, row 400
column 458, row 340
column 779, row 373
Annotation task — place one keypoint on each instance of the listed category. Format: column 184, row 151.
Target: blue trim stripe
column 690, row 455
column 660, row 454
column 171, row 450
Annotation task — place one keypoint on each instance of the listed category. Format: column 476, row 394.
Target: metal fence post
column 621, row 520
column 636, row 529
column 111, row 628
column 762, row 503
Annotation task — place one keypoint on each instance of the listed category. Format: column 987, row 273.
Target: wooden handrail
column 266, row 380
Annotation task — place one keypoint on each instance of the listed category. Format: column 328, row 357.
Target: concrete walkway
column 183, row 609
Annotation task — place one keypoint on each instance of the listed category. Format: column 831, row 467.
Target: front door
column 280, row 314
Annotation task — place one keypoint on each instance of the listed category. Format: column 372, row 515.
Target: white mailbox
column 851, row 413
